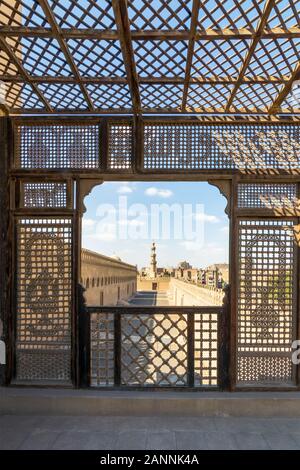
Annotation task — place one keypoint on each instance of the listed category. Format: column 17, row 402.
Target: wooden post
column 190, row 350
column 84, row 346
column 5, row 311
column 117, row 348
column 223, row 342
column 234, row 282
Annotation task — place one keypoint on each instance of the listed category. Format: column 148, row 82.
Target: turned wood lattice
column 150, row 56
column 267, row 195
column 39, row 195
column 165, row 146
column 267, row 310
column 43, row 284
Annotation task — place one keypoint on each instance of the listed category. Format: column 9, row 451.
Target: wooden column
column 4, row 244
column 233, row 281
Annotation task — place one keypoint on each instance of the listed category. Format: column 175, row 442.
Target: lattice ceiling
column 156, row 56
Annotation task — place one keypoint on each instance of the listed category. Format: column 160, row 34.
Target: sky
column 186, row 220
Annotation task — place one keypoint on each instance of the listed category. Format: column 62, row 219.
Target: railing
column 154, row 347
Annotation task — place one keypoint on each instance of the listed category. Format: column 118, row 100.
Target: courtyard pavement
column 150, row 298
column 158, row 433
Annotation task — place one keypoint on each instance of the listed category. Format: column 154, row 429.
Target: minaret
column 153, row 264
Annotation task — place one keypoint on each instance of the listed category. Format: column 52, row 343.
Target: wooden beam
column 63, row 45
column 123, row 27
column 190, row 53
column 258, row 34
column 275, row 108
column 122, row 80
column 144, row 35
column 25, row 75
column 176, row 113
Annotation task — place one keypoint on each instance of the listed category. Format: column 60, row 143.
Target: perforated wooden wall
column 57, row 146
column 267, row 295
column 44, row 299
column 165, row 146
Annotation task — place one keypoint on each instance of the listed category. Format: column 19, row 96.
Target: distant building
column 215, row 275
column 184, row 265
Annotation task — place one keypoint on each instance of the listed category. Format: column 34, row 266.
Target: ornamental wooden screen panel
column 206, row 349
column 102, row 349
column 266, row 195
column 166, row 146
column 120, row 149
column 57, row 146
column 45, row 195
column 171, row 146
column 44, row 298
column 266, row 302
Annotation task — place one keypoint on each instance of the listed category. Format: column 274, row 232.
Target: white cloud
column 202, row 217
column 125, row 190
column 224, row 229
column 165, row 193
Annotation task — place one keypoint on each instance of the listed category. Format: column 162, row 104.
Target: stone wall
column 107, row 280
column 187, row 294
column 162, row 284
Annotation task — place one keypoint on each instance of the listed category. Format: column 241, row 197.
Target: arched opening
column 169, row 240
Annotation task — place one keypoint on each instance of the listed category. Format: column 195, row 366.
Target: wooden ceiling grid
column 210, row 57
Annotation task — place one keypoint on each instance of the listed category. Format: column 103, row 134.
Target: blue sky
column 199, row 234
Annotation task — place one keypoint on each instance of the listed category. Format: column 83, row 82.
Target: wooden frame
column 80, row 181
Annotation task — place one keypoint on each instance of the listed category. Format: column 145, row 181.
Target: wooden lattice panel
column 63, row 95
column 44, row 297
column 46, row 195
column 266, row 306
column 197, row 147
column 285, row 14
column 57, row 146
column 146, row 56
column 111, row 96
column 160, row 14
column 120, row 147
column 160, row 58
column 22, row 13
column 207, row 96
column 41, row 56
column 285, row 55
column 164, row 96
column 85, row 14
column 223, row 14
column 102, row 349
column 256, row 96
column 206, row 349
column 19, row 95
column 266, row 195
column 97, row 58
column 154, row 350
